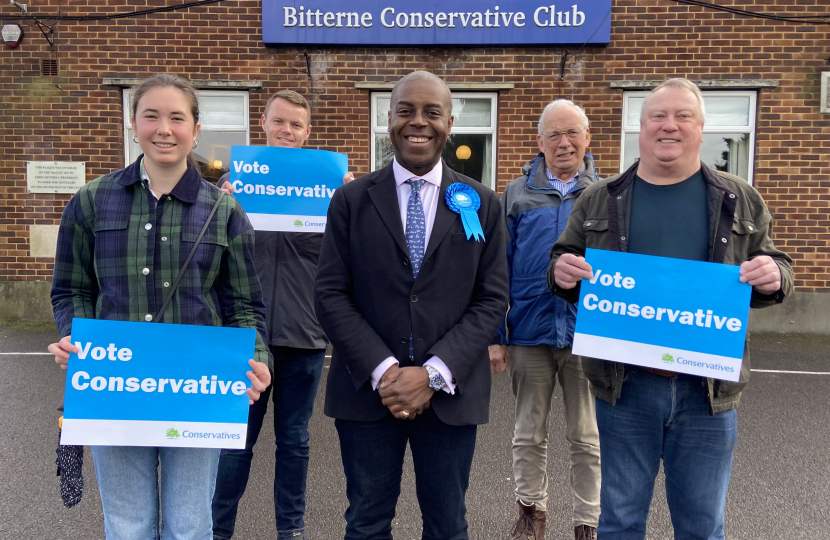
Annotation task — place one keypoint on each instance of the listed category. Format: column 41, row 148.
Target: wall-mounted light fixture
column 24, row 8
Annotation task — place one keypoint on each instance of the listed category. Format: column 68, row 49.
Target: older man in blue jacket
column 534, row 342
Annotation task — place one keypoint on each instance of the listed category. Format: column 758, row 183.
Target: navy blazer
column 368, row 302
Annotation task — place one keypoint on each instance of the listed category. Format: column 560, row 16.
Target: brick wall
column 73, row 117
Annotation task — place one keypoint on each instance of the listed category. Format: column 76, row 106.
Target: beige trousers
column 533, row 372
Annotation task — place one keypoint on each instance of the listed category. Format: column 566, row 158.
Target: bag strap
column 178, row 280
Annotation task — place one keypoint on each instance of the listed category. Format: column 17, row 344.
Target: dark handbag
column 70, row 460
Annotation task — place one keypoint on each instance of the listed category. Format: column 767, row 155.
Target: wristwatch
column 436, row 381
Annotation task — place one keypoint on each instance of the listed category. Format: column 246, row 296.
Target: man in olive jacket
column 669, row 204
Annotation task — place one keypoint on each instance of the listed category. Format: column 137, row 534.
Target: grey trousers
column 533, row 372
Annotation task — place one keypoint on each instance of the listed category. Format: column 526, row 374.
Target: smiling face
column 563, row 156
column 286, row 125
column 671, row 133
column 419, row 124
column 165, row 127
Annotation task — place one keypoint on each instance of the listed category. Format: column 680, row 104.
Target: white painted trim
column 272, row 222
column 84, row 432
column 643, row 354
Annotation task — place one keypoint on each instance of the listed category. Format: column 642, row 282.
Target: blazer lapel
column 384, row 195
column 444, row 217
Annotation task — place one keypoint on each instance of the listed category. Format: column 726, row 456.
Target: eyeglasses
column 573, row 134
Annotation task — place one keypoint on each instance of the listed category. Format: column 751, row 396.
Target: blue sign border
column 386, row 23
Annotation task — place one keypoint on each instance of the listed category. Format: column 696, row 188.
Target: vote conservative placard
column 672, row 314
column 286, row 189
column 140, row 384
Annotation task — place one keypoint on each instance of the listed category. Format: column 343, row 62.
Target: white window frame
column 492, row 130
column 753, row 104
column 245, row 124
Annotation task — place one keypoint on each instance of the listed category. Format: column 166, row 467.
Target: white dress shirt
column 430, row 191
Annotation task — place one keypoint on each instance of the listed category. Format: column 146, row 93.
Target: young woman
column 123, row 240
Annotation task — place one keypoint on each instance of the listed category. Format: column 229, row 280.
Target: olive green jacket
column 740, row 228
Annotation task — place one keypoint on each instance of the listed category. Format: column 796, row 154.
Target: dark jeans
column 664, row 418
column 373, row 454
column 296, row 377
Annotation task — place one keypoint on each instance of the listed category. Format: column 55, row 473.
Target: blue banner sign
column 670, row 314
column 140, row 384
column 466, row 23
column 286, row 189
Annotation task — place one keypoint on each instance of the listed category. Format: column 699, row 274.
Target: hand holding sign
column 260, row 377
column 62, row 350
column 762, row 273
column 570, row 269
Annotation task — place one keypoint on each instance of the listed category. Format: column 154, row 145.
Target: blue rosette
column 463, row 200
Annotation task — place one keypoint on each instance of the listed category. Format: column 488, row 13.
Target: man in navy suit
column 410, row 302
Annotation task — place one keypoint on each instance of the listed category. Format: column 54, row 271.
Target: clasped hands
column 405, row 391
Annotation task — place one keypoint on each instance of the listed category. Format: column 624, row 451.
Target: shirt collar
column 402, row 175
column 551, row 176
column 186, row 190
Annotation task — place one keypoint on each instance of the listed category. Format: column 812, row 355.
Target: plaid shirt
column 120, row 250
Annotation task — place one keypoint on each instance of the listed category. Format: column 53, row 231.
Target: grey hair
column 557, row 104
column 424, row 76
column 680, row 84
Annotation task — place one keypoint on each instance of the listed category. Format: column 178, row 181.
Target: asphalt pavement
column 779, row 487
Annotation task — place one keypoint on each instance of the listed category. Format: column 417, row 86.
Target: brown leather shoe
column 530, row 525
column 585, row 532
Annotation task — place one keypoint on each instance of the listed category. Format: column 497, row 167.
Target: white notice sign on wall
column 55, row 176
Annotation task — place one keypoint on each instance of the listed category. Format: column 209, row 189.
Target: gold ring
column 405, row 414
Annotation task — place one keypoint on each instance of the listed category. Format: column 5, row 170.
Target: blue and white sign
column 671, row 314
column 286, row 189
column 466, row 23
column 140, row 384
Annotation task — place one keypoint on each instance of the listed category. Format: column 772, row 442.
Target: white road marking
column 791, row 372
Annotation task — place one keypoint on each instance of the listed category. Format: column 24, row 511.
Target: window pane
column 478, row 165
column 728, row 152
column 472, row 112
column 631, row 146
column 134, row 149
column 632, row 119
column 720, row 111
column 215, row 147
column 383, row 151
column 726, row 110
column 222, row 111
column 382, row 118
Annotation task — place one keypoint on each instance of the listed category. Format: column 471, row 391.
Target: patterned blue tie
column 415, row 235
column 415, row 226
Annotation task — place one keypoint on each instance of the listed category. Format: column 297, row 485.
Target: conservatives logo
column 172, row 433
column 298, row 223
column 667, row 358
